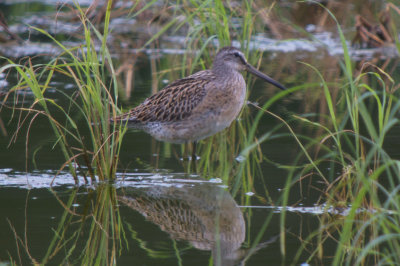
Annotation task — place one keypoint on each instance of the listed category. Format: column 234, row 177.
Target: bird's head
column 233, row 58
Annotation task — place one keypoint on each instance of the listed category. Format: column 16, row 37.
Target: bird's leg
column 194, row 156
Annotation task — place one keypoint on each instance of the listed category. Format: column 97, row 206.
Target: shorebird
column 197, row 106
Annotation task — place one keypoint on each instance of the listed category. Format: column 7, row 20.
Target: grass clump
column 83, row 133
column 88, row 142
column 347, row 165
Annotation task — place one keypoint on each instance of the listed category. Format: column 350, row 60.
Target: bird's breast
column 224, row 102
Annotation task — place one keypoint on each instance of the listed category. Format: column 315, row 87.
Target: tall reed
column 90, row 143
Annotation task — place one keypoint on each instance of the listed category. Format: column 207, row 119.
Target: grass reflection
column 88, row 230
column 98, row 237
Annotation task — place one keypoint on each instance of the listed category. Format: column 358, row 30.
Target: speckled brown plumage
column 199, row 105
column 174, row 103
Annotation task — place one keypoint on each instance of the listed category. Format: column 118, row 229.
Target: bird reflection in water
column 203, row 214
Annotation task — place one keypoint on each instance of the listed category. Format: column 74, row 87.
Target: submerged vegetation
column 338, row 140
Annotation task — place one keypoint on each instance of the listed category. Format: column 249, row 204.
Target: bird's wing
column 173, row 103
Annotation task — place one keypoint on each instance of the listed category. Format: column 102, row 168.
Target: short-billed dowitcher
column 198, row 106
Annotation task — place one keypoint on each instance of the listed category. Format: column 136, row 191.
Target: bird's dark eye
column 236, row 54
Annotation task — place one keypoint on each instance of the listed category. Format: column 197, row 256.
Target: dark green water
column 179, row 219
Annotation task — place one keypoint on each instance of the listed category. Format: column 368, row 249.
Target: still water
column 158, row 213
column 167, row 218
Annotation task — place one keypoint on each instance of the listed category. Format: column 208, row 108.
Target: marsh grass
column 364, row 192
column 92, row 144
column 83, row 133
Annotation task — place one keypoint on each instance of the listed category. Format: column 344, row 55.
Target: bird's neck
column 222, row 70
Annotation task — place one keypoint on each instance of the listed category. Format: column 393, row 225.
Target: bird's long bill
column 261, row 75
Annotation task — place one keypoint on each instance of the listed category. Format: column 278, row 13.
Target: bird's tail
column 127, row 119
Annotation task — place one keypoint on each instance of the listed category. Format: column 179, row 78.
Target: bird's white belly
column 184, row 132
